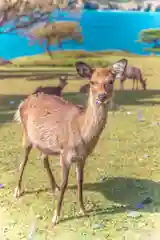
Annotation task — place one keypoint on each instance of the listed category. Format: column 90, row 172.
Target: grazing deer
column 84, row 88
column 53, row 90
column 55, row 126
column 135, row 74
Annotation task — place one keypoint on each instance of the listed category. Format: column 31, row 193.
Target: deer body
column 71, row 130
column 134, row 73
column 49, row 90
column 56, row 126
column 53, row 90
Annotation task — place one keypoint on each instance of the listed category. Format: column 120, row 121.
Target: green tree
column 24, row 15
column 54, row 33
column 152, row 37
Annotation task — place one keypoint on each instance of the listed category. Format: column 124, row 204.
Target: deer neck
column 94, row 119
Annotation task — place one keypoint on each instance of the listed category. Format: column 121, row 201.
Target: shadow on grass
column 126, row 97
column 126, row 192
column 9, row 103
column 8, row 106
column 36, row 75
column 137, row 97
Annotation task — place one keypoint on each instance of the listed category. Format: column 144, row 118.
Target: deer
column 135, row 74
column 54, row 90
column 84, row 88
column 56, row 126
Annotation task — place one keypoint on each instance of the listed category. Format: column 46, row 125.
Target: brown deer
column 84, row 88
column 55, row 126
column 135, row 74
column 53, row 90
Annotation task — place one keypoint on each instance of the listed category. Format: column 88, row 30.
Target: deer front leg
column 80, row 177
column 65, row 173
column 121, row 85
column 136, row 84
column 18, row 190
column 133, row 84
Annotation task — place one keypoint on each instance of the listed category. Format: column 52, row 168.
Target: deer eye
column 93, row 83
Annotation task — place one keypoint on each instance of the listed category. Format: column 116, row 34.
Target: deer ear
column 84, row 70
column 119, row 67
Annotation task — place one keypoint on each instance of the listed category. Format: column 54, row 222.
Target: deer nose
column 102, row 97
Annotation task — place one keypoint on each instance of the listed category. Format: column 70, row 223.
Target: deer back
column 49, row 90
column 49, row 121
column 133, row 72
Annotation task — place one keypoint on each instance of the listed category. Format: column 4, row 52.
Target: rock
column 134, row 214
column 1, row 185
column 129, row 113
column 98, row 226
column 4, row 62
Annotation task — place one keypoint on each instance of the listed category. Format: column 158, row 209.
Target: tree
column 22, row 16
column 54, row 33
column 150, row 36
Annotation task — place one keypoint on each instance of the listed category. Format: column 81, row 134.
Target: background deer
column 84, row 88
column 53, row 90
column 135, row 74
column 55, row 126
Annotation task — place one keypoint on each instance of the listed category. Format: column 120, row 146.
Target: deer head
column 101, row 79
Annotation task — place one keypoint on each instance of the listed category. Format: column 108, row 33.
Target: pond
column 102, row 30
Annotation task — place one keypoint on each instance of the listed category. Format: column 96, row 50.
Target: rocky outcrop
column 4, row 62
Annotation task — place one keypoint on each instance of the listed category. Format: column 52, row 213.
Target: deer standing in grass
column 55, row 126
column 53, row 90
column 135, row 74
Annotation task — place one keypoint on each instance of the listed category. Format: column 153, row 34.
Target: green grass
column 68, row 58
column 127, row 155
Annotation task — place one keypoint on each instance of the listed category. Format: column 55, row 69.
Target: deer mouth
column 102, row 100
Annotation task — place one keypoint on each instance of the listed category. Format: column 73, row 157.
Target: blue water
column 101, row 31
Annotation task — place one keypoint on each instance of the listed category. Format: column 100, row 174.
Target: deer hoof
column 17, row 192
column 83, row 212
column 55, row 219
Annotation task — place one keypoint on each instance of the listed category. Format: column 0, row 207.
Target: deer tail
column 17, row 115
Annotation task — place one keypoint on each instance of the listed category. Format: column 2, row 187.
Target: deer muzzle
column 101, row 98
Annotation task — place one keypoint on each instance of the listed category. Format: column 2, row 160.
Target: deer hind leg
column 80, row 178
column 133, row 84
column 136, row 84
column 27, row 149
column 49, row 172
column 65, row 174
column 121, row 84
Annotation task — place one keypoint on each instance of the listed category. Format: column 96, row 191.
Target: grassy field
column 123, row 170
